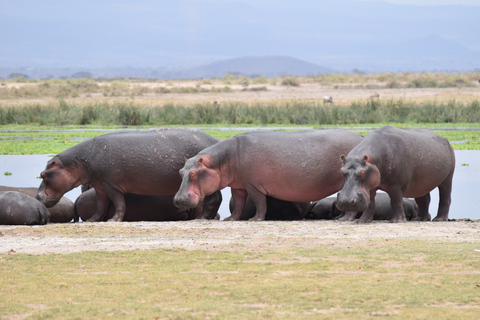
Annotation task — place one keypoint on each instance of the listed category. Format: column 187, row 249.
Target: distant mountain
column 268, row 66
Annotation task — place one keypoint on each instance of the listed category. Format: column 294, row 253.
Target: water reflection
column 25, row 169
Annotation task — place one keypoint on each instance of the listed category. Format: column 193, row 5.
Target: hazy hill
column 269, row 66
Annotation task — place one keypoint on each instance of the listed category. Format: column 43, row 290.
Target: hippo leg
column 445, row 191
column 396, row 202
column 367, row 215
column 260, row 201
column 423, row 204
column 102, row 206
column 211, row 204
column 239, row 197
column 118, row 201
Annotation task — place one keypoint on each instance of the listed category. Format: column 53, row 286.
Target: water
column 466, row 182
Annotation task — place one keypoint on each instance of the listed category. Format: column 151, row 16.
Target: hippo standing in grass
column 62, row 212
column 137, row 208
column 403, row 163
column 292, row 166
column 276, row 209
column 127, row 162
column 19, row 208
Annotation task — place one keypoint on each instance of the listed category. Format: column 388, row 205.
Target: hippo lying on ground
column 327, row 209
column 292, row 166
column 137, row 208
column 276, row 209
column 403, row 163
column 60, row 213
column 128, row 162
column 19, row 208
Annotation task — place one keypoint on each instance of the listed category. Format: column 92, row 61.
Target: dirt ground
column 223, row 235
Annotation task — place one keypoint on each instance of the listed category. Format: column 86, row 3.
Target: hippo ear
column 365, row 159
column 342, row 157
column 200, row 162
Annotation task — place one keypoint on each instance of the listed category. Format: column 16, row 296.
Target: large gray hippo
column 403, row 163
column 327, row 209
column 137, row 208
column 19, row 208
column 292, row 166
column 127, row 162
column 62, row 212
column 276, row 209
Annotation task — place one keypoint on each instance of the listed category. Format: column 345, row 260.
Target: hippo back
column 17, row 208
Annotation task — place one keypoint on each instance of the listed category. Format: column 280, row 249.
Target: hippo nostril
column 353, row 201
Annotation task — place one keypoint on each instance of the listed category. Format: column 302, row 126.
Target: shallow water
column 466, row 182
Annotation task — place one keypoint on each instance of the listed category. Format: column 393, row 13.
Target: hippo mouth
column 185, row 202
column 360, row 202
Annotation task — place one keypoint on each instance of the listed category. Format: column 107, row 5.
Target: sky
column 182, row 33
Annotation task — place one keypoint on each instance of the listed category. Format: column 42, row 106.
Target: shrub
column 293, row 82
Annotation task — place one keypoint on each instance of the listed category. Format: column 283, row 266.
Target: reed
column 290, row 112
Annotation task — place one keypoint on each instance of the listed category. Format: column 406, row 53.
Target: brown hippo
column 292, row 166
column 19, row 208
column 113, row 164
column 276, row 209
column 327, row 209
column 137, row 208
column 62, row 212
column 403, row 163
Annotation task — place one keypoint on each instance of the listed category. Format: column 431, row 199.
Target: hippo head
column 57, row 179
column 360, row 176
column 200, row 178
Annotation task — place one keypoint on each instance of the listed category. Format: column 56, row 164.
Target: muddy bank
column 223, row 235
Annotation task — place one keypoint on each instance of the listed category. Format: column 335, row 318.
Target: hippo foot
column 114, row 220
column 363, row 219
column 398, row 220
column 256, row 219
column 345, row 217
column 229, row 219
column 437, row 218
column 422, row 218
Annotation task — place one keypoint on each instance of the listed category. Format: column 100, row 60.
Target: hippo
column 145, row 162
column 296, row 166
column 137, row 208
column 276, row 209
column 323, row 209
column 62, row 212
column 19, row 208
column 403, row 163
column 326, row 209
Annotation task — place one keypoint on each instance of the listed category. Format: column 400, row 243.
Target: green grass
column 59, row 139
column 396, row 279
column 281, row 112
